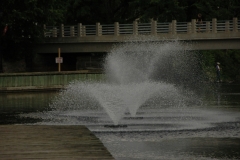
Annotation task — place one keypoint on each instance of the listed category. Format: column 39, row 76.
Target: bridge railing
column 125, row 29
column 136, row 28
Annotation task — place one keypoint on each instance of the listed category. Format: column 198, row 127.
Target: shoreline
column 30, row 89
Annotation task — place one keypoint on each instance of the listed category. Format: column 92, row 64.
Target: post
column 193, row 25
column 135, row 28
column 170, row 28
column 54, row 32
column 83, row 30
column 116, row 29
column 235, row 24
column 174, row 26
column 61, row 30
column 214, row 25
column 154, row 28
column 79, row 28
column 207, row 27
column 226, row 26
column 72, row 31
column 98, row 29
column 44, row 30
column 59, row 55
column 189, row 29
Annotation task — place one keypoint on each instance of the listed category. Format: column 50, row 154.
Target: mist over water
column 147, row 60
column 138, row 73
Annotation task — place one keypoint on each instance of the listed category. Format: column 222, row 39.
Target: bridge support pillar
column 83, row 30
column 207, row 27
column 189, row 29
column 98, row 29
column 235, row 24
column 135, row 28
column 72, row 30
column 193, row 25
column 44, row 30
column 226, row 26
column 54, row 32
column 116, row 29
column 214, row 25
column 61, row 30
column 174, row 26
column 153, row 28
column 79, row 28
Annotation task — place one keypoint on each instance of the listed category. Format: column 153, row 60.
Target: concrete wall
column 88, row 47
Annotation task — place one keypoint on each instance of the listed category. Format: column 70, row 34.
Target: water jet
column 139, row 73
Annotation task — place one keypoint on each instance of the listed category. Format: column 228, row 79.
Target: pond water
column 207, row 131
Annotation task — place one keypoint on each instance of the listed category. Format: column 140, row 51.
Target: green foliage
column 219, row 9
column 229, row 63
column 163, row 11
column 208, row 62
column 125, row 11
column 103, row 11
column 25, row 21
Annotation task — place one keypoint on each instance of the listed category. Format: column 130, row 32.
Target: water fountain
column 150, row 105
column 141, row 72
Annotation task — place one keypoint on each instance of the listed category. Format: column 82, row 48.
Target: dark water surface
column 13, row 104
column 209, row 131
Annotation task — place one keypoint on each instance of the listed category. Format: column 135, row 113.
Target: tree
column 123, row 11
column 25, row 21
column 222, row 10
column 230, row 64
column 162, row 11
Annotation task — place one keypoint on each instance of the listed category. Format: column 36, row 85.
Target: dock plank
column 50, row 142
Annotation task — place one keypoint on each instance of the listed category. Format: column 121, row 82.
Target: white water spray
column 137, row 73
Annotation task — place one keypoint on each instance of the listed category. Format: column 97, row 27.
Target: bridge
column 79, row 38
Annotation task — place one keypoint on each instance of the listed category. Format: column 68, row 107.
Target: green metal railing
column 44, row 80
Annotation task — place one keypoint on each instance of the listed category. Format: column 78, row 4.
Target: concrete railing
column 153, row 28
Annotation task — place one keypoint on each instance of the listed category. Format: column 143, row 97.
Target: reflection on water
column 175, row 148
column 219, row 141
column 213, row 147
column 12, row 104
column 225, row 95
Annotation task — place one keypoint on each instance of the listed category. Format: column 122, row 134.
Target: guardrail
column 136, row 28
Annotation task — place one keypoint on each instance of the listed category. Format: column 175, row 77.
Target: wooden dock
column 50, row 142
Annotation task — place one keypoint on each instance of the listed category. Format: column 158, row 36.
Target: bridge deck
column 215, row 34
column 50, row 142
